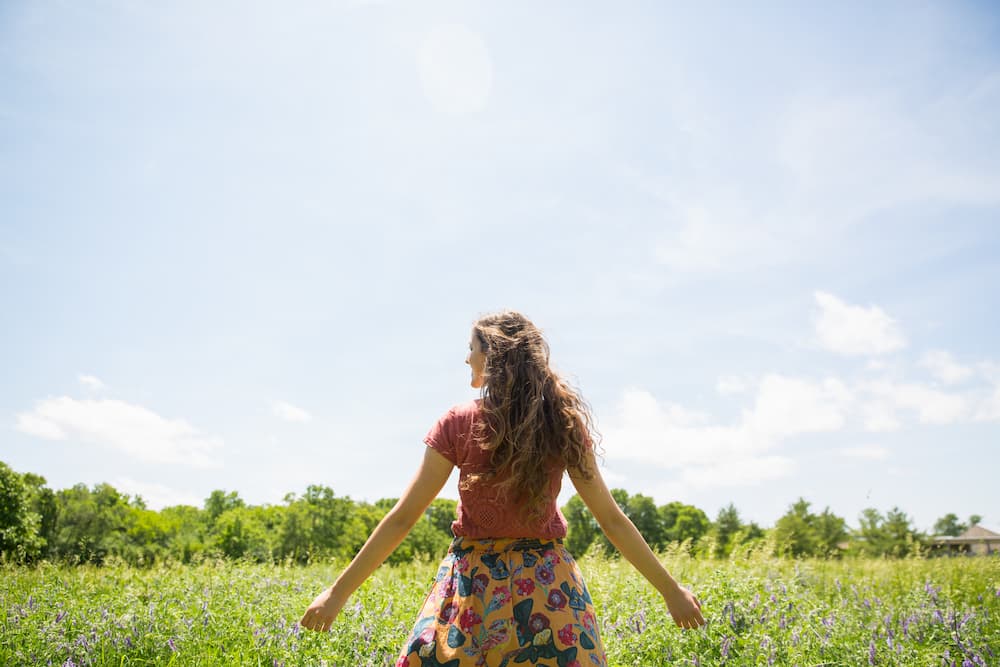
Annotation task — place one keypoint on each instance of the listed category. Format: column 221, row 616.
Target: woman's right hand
column 684, row 608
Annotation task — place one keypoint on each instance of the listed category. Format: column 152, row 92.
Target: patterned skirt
column 500, row 602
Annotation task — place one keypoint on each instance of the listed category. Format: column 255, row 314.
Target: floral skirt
column 500, row 602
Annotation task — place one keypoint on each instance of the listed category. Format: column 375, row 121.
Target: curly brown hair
column 534, row 420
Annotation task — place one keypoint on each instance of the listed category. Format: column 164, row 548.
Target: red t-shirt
column 481, row 513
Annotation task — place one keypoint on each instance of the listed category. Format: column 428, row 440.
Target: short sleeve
column 442, row 437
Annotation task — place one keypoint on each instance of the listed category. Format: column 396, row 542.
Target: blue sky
column 241, row 245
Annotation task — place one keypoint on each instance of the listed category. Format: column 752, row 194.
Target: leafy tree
column 727, row 525
column 795, row 533
column 801, row 533
column 43, row 503
column 643, row 513
column 219, row 501
column 975, row 520
column 683, row 522
column 91, row 524
column 320, row 524
column 889, row 535
column 582, row 528
column 441, row 513
column 19, row 525
column 831, row 532
column 949, row 525
column 241, row 532
column 189, row 527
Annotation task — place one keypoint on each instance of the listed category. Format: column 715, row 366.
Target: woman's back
column 485, row 508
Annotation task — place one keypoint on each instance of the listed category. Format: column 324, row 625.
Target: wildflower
column 61, row 615
column 871, row 652
column 726, row 643
column 170, row 643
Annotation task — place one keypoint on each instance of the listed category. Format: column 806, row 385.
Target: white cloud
column 731, row 384
column 672, row 437
column 989, row 410
column 788, row 406
column 879, row 416
column 944, row 367
column 91, row 382
column 289, row 412
column 157, row 496
column 131, row 429
column 855, row 330
column 740, row 471
column 931, row 406
column 867, row 452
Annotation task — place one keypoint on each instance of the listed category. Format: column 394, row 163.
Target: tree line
column 94, row 524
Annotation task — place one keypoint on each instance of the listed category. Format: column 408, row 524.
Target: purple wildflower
column 871, row 652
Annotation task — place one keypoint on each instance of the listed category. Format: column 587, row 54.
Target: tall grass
column 760, row 611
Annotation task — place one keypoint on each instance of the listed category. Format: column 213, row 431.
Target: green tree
column 975, row 520
column 219, row 501
column 43, row 503
column 91, row 524
column 795, row 533
column 902, row 537
column 949, row 525
column 189, row 528
column 582, row 528
column 643, row 513
column 683, row 522
column 20, row 539
column 889, row 535
column 241, row 532
column 441, row 513
column 727, row 527
column 831, row 533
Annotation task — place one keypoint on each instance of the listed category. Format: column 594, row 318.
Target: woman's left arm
column 391, row 530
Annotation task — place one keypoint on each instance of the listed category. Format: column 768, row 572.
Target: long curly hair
column 534, row 420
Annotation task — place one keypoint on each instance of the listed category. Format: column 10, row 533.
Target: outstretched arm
column 424, row 487
column 684, row 607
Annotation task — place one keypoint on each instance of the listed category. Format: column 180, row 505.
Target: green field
column 760, row 611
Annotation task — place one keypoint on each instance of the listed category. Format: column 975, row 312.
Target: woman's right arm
column 684, row 607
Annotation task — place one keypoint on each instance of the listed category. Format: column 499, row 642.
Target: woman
column 508, row 592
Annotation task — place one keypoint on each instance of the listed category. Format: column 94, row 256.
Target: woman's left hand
column 320, row 614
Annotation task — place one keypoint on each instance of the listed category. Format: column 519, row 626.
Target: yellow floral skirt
column 510, row 601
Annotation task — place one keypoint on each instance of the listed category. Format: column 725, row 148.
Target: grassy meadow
column 760, row 611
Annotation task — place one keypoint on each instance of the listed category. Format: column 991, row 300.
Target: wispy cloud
column 131, row 429
column 672, row 437
column 91, row 382
column 289, row 412
column 931, row 406
column 855, row 330
column 944, row 367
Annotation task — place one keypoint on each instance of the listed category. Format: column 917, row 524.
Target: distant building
column 976, row 540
